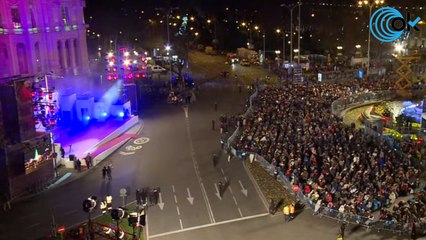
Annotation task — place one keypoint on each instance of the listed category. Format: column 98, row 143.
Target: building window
column 65, row 16
column 33, row 22
column 16, row 18
column 1, row 23
column 22, row 58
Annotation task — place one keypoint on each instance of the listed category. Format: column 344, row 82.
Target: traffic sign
column 123, row 192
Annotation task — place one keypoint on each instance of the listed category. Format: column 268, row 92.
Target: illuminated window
column 16, row 18
column 65, row 16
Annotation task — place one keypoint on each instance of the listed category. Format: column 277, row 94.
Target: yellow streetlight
column 243, row 24
column 196, row 34
column 278, row 30
column 192, row 18
column 209, row 21
column 256, row 28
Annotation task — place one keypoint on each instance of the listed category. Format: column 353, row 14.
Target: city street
column 175, row 154
column 177, row 159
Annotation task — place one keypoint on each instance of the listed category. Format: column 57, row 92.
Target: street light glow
column 196, row 34
column 278, row 30
column 209, row 21
column 357, row 46
column 168, row 48
column 126, row 54
column 398, row 47
column 126, row 62
column 110, row 54
column 339, row 47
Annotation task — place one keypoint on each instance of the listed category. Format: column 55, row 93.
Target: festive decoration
column 45, row 108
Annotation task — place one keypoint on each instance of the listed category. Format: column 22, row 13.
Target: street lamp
column 284, row 35
column 370, row 4
column 291, row 7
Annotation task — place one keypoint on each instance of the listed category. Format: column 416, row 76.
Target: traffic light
column 133, row 219
column 89, row 204
column 118, row 213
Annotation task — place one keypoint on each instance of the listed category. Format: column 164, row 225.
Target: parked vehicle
column 245, row 62
column 156, row 68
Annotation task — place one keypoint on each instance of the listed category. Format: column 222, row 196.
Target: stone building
column 40, row 36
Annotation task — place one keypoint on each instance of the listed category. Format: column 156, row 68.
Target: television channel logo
column 388, row 24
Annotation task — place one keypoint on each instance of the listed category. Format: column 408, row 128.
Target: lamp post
column 370, row 4
column 264, row 46
column 284, row 36
column 291, row 7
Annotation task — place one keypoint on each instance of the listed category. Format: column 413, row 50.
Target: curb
column 256, row 186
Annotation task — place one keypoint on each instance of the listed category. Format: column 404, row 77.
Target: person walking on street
column 292, row 211
column 6, row 202
column 78, row 165
column 272, row 207
column 221, row 189
column 104, row 172
column 286, row 211
column 138, row 197
column 214, row 158
column 109, row 169
column 342, row 229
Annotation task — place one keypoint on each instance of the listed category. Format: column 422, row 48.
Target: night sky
column 108, row 17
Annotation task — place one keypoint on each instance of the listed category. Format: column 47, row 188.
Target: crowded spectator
column 335, row 165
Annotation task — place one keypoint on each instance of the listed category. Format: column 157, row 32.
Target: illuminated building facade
column 39, row 36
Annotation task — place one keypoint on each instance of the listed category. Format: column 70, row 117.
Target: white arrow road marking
column 243, row 190
column 160, row 203
column 217, row 192
column 126, row 153
column 190, row 199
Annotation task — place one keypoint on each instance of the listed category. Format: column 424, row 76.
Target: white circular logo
column 140, row 141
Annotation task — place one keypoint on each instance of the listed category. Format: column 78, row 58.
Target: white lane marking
column 239, row 210
column 235, row 200
column 230, row 189
column 209, row 225
column 223, row 172
column 217, row 192
column 173, row 188
column 185, row 109
column 181, row 225
column 197, row 173
column 208, row 203
column 33, row 225
column 177, row 208
column 175, row 198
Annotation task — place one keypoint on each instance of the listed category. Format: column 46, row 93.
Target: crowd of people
column 337, row 167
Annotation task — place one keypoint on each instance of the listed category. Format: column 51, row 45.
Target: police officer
column 286, row 211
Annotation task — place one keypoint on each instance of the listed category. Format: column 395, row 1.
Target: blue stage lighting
column 87, row 118
column 104, row 114
column 121, row 114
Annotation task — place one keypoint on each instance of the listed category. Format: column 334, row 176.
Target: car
column 245, row 62
column 156, row 69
